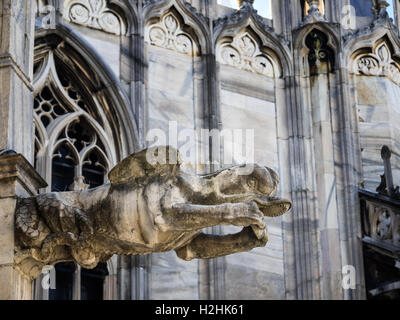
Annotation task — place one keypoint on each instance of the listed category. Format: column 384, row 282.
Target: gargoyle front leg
column 206, row 246
column 190, row 217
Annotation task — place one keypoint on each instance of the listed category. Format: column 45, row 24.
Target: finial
column 242, row 3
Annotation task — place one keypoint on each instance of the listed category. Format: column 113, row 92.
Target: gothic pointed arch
column 75, row 116
column 81, row 59
column 321, row 57
column 378, row 60
column 190, row 20
column 102, row 15
column 245, row 52
column 315, row 38
column 367, row 43
column 245, row 24
column 169, row 32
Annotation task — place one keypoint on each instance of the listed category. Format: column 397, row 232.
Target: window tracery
column 71, row 146
column 73, row 151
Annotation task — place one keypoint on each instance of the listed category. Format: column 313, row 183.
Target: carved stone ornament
column 244, row 53
column 147, row 207
column 93, row 14
column 168, row 34
column 314, row 14
column 379, row 63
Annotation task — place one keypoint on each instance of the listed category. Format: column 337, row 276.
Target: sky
column 390, row 9
column 262, row 6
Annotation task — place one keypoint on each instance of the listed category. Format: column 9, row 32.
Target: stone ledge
column 15, row 169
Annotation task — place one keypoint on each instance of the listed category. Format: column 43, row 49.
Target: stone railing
column 380, row 221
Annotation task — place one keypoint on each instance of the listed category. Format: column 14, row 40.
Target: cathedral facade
column 86, row 83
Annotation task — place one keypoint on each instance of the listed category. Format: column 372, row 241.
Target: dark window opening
column 63, row 170
column 94, row 170
column 64, row 280
column 92, row 282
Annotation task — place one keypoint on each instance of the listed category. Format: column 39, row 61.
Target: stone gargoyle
column 147, row 208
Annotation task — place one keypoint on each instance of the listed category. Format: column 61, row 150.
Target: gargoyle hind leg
column 206, row 246
column 189, row 217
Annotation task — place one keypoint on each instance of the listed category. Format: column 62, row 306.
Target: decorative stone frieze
column 244, row 53
column 168, row 34
column 378, row 63
column 93, row 14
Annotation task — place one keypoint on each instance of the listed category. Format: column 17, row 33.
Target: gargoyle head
column 236, row 184
column 259, row 185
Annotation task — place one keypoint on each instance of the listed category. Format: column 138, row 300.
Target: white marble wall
column 248, row 102
column 171, row 97
column 379, row 114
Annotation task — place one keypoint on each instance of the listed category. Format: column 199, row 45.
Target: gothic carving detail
column 147, row 207
column 168, row 34
column 94, row 14
column 244, row 53
column 66, row 127
column 379, row 63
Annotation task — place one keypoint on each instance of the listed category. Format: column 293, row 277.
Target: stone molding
column 16, row 169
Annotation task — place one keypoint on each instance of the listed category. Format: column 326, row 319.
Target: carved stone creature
column 147, row 208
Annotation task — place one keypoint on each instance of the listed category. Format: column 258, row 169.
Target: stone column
column 17, row 178
column 16, row 69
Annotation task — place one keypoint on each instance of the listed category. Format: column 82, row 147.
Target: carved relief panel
column 382, row 223
column 378, row 63
column 168, row 34
column 93, row 14
column 243, row 52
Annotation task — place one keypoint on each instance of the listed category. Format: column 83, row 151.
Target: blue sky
column 262, row 6
column 390, row 9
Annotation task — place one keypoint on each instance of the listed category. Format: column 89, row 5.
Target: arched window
column 75, row 147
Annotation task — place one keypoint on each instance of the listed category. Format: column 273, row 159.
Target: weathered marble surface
column 379, row 115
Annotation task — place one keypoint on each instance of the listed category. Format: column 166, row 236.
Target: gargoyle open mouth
column 273, row 207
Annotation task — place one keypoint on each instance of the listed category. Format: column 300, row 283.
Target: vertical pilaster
column 16, row 69
column 17, row 178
